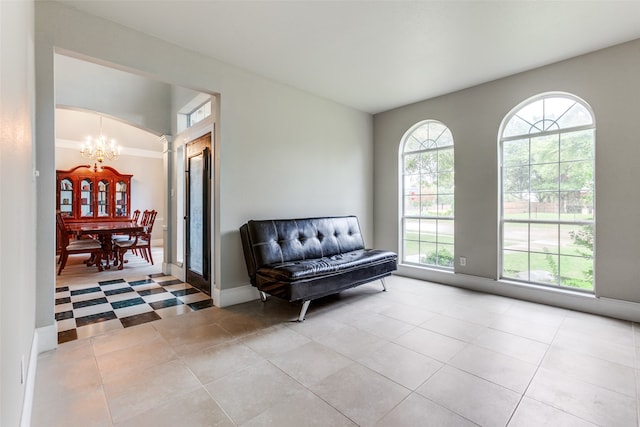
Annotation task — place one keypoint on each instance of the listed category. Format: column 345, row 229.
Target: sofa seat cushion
column 309, row 269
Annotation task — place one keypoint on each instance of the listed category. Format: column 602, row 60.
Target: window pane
column 532, row 113
column 419, row 136
column 445, row 205
column 544, row 268
column 545, row 207
column 576, row 272
column 544, row 238
column 412, row 205
column 445, row 183
column 445, row 139
column 516, row 236
column 411, row 163
column 577, row 115
column 428, row 229
column 428, row 205
column 411, row 185
column 576, row 240
column 515, row 265
column 445, row 160
column 514, row 206
column 428, row 253
column 576, row 175
column 576, row 145
column 445, row 231
column 544, row 177
column 557, row 107
column 517, row 126
column 429, row 162
column 445, row 255
column 545, row 149
column 576, row 205
column 515, row 152
column 516, row 179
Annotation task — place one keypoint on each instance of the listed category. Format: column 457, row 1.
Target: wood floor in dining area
column 91, row 302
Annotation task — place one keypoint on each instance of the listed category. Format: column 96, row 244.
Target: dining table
column 104, row 231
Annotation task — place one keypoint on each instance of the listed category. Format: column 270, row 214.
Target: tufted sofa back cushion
column 278, row 241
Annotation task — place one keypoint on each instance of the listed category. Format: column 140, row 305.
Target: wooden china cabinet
column 92, row 193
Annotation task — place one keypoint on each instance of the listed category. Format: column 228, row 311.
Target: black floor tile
column 65, row 336
column 90, row 302
column 85, row 291
column 127, row 303
column 201, row 304
column 95, row 318
column 64, row 315
column 157, row 305
column 139, row 319
column 111, row 282
column 183, row 292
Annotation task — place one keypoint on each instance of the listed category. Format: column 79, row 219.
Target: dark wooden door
column 198, row 213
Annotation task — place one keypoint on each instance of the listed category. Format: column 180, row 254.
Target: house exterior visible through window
column 547, row 176
column 427, row 181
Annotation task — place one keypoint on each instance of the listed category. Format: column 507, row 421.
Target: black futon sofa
column 309, row 258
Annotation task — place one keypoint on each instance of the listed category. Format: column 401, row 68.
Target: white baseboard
column 47, row 337
column 44, row 339
column 572, row 300
column 233, row 296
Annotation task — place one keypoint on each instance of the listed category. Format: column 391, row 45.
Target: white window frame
column 444, row 219
column 559, row 222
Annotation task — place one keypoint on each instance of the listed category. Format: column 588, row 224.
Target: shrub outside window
column 427, row 168
column 547, row 192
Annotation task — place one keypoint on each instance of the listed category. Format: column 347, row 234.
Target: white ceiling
column 378, row 55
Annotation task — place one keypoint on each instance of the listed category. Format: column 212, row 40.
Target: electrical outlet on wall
column 463, row 261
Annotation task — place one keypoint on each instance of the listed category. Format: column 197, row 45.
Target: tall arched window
column 547, row 175
column 427, row 180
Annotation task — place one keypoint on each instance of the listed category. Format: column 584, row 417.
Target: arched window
column 427, row 181
column 547, row 176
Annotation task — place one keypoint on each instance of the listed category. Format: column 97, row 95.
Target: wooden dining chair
column 81, row 246
column 135, row 216
column 140, row 242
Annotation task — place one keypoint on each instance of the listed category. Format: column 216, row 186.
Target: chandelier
column 100, row 148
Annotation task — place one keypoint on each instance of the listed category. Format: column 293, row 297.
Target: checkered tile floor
column 89, row 309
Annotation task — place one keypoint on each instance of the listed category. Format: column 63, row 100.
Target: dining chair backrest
column 135, row 216
column 62, row 230
column 144, row 219
column 150, row 220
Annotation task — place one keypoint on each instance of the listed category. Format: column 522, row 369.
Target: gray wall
column 283, row 152
column 609, row 81
column 18, row 207
column 130, row 97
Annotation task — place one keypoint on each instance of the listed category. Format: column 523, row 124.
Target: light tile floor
column 420, row 354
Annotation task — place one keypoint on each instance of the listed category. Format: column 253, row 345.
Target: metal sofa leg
column 263, row 296
column 384, row 287
column 303, row 311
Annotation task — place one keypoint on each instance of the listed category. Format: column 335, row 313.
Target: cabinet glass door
column 66, row 197
column 103, row 198
column 121, row 199
column 86, row 198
